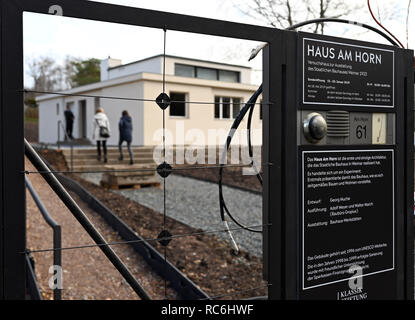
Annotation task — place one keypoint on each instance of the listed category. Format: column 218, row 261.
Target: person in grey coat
column 126, row 130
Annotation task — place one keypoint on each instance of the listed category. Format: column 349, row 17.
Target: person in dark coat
column 69, row 119
column 126, row 130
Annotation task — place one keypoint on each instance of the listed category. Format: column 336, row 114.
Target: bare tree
column 46, row 74
column 285, row 13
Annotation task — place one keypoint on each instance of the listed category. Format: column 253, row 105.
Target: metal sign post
column 344, row 206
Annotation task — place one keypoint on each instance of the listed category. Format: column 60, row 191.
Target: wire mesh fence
column 165, row 236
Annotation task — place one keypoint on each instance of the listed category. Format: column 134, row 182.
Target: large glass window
column 178, row 106
column 228, row 76
column 206, row 73
column 183, row 70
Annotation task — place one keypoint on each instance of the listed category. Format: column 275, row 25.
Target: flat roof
column 183, row 58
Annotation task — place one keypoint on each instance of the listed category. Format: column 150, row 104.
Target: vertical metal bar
column 409, row 173
column 57, row 257
column 57, row 234
column 272, row 153
column 12, row 188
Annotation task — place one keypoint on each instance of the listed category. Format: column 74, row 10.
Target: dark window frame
column 186, row 112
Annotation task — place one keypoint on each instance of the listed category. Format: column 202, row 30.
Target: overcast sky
column 57, row 37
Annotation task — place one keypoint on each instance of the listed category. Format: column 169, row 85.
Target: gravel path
column 195, row 203
column 87, row 273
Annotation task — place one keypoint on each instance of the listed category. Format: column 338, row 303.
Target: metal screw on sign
column 163, row 101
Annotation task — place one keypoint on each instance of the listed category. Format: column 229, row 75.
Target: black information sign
column 347, row 223
column 336, row 73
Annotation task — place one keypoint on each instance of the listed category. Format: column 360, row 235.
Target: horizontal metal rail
column 57, row 234
column 77, row 212
column 32, row 285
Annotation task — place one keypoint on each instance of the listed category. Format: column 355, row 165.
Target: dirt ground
column 204, row 258
column 87, row 273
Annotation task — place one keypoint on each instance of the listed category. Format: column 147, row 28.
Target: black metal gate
column 12, row 185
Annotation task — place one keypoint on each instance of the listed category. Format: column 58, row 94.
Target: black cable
column 235, row 125
column 250, row 150
column 345, row 21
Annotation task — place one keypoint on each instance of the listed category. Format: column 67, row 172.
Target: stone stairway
column 85, row 159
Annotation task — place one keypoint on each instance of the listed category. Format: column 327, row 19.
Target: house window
column 228, row 76
column 183, row 70
column 178, row 105
column 236, row 106
column 227, row 107
column 206, row 73
column 57, row 109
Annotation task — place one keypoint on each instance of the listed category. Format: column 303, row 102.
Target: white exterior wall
column 129, row 82
column 48, row 117
column 106, row 64
column 48, row 120
column 113, row 109
column 150, row 65
column 155, row 65
column 200, row 117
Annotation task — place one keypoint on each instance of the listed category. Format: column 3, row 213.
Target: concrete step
column 102, row 167
column 126, row 161
column 97, row 164
column 85, row 152
column 110, row 156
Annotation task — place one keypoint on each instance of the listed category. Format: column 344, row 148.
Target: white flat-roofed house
column 225, row 86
